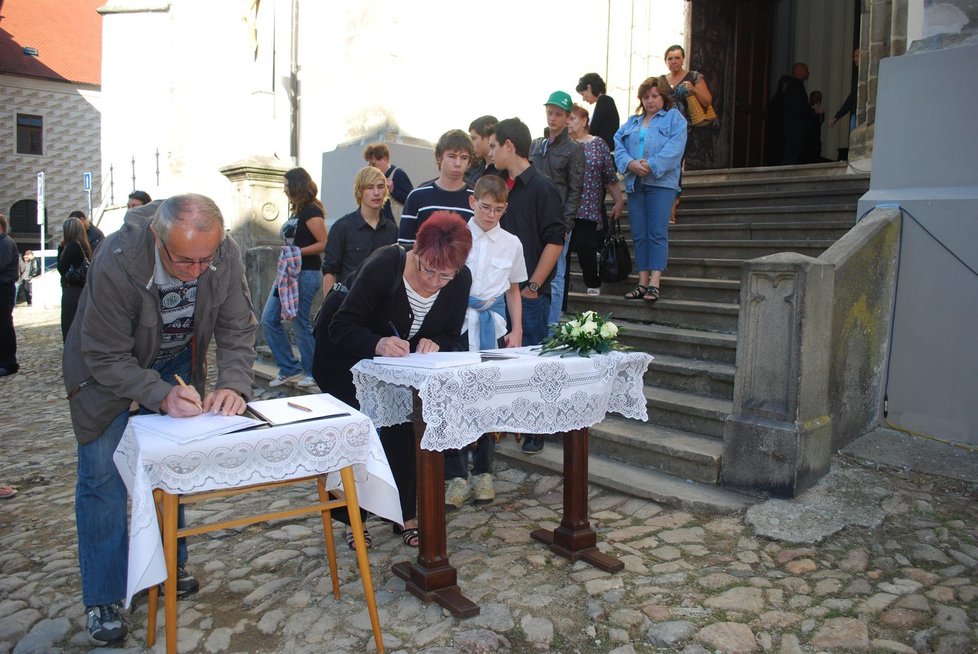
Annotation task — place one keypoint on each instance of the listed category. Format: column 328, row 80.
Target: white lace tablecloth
column 530, row 394
column 241, row 459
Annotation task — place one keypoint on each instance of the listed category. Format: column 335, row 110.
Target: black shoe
column 187, row 584
column 105, row 625
column 532, row 444
column 4, row 372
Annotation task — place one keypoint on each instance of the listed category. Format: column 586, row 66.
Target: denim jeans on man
column 535, row 314
column 101, row 509
column 648, row 212
column 557, row 289
column 310, row 281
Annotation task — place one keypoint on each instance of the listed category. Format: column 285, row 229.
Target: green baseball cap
column 560, row 99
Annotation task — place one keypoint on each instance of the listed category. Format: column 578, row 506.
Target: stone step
column 708, row 316
column 705, row 267
column 845, row 211
column 649, row 446
column 677, row 288
column 635, row 480
column 788, row 231
column 709, row 378
column 686, row 411
column 765, row 173
column 743, row 249
column 761, row 196
column 680, row 342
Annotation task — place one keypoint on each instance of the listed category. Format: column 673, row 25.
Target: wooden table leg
column 431, row 577
column 171, row 503
column 574, row 539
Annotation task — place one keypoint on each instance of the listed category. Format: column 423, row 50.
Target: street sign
column 87, row 178
column 40, row 198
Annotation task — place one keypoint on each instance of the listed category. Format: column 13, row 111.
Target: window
column 30, row 134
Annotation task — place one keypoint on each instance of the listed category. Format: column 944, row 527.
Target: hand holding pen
column 392, row 346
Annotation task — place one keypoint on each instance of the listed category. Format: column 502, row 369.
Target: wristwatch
column 533, row 286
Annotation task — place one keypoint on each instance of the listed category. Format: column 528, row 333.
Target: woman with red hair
column 398, row 303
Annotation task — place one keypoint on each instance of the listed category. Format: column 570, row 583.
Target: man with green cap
column 561, row 159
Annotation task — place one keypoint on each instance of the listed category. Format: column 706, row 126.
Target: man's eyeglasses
column 206, row 261
column 445, row 277
column 491, row 210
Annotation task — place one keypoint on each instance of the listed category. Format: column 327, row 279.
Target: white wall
column 188, row 80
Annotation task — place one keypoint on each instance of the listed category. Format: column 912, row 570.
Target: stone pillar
column 778, row 438
column 261, row 210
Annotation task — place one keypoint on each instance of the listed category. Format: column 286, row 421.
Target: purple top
column 599, row 171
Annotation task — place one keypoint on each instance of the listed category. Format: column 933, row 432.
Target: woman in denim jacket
column 648, row 152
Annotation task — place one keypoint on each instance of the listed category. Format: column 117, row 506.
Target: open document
column 188, row 430
column 283, row 410
column 432, row 360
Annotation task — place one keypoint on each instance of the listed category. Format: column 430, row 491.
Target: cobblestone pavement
column 692, row 583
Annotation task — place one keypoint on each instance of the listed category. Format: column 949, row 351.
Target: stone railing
column 811, row 357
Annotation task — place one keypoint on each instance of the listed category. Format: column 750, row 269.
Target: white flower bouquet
column 586, row 333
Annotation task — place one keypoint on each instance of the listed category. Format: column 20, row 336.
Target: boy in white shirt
column 498, row 267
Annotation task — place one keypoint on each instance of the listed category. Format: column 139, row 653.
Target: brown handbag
column 698, row 117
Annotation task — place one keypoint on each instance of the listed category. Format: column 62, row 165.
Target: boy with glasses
column 498, row 269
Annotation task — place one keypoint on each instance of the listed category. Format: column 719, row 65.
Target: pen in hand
column 184, row 384
column 394, row 329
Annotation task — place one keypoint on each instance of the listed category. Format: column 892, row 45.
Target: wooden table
column 452, row 407
column 335, row 453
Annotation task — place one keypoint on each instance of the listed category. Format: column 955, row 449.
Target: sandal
column 637, row 293
column 352, row 544
column 651, row 294
column 409, row 536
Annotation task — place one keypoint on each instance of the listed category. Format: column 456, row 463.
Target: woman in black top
column 306, row 230
column 605, row 121
column 74, row 253
column 398, row 303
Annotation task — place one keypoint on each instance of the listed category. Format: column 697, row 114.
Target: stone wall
column 865, row 263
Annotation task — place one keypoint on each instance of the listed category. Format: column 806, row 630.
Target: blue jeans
column 557, row 286
column 101, row 511
column 457, row 461
column 310, row 281
column 535, row 314
column 648, row 212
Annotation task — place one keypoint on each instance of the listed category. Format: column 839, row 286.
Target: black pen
column 394, row 329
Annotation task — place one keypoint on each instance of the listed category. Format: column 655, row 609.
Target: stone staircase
column 725, row 218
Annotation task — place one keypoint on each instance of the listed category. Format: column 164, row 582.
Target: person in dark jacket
column 399, row 303
column 74, row 256
column 9, row 269
column 93, row 233
column 168, row 284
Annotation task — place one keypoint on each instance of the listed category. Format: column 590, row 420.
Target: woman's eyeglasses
column 445, row 277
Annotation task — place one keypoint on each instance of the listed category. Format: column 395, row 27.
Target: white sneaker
column 594, row 291
column 285, row 379
column 457, row 492
column 307, row 382
column 482, row 489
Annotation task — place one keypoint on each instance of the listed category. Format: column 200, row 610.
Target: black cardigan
column 376, row 299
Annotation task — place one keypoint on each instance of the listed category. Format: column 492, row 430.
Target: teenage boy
column 479, row 131
column 448, row 192
column 534, row 215
column 378, row 155
column 560, row 158
column 498, row 268
column 354, row 236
